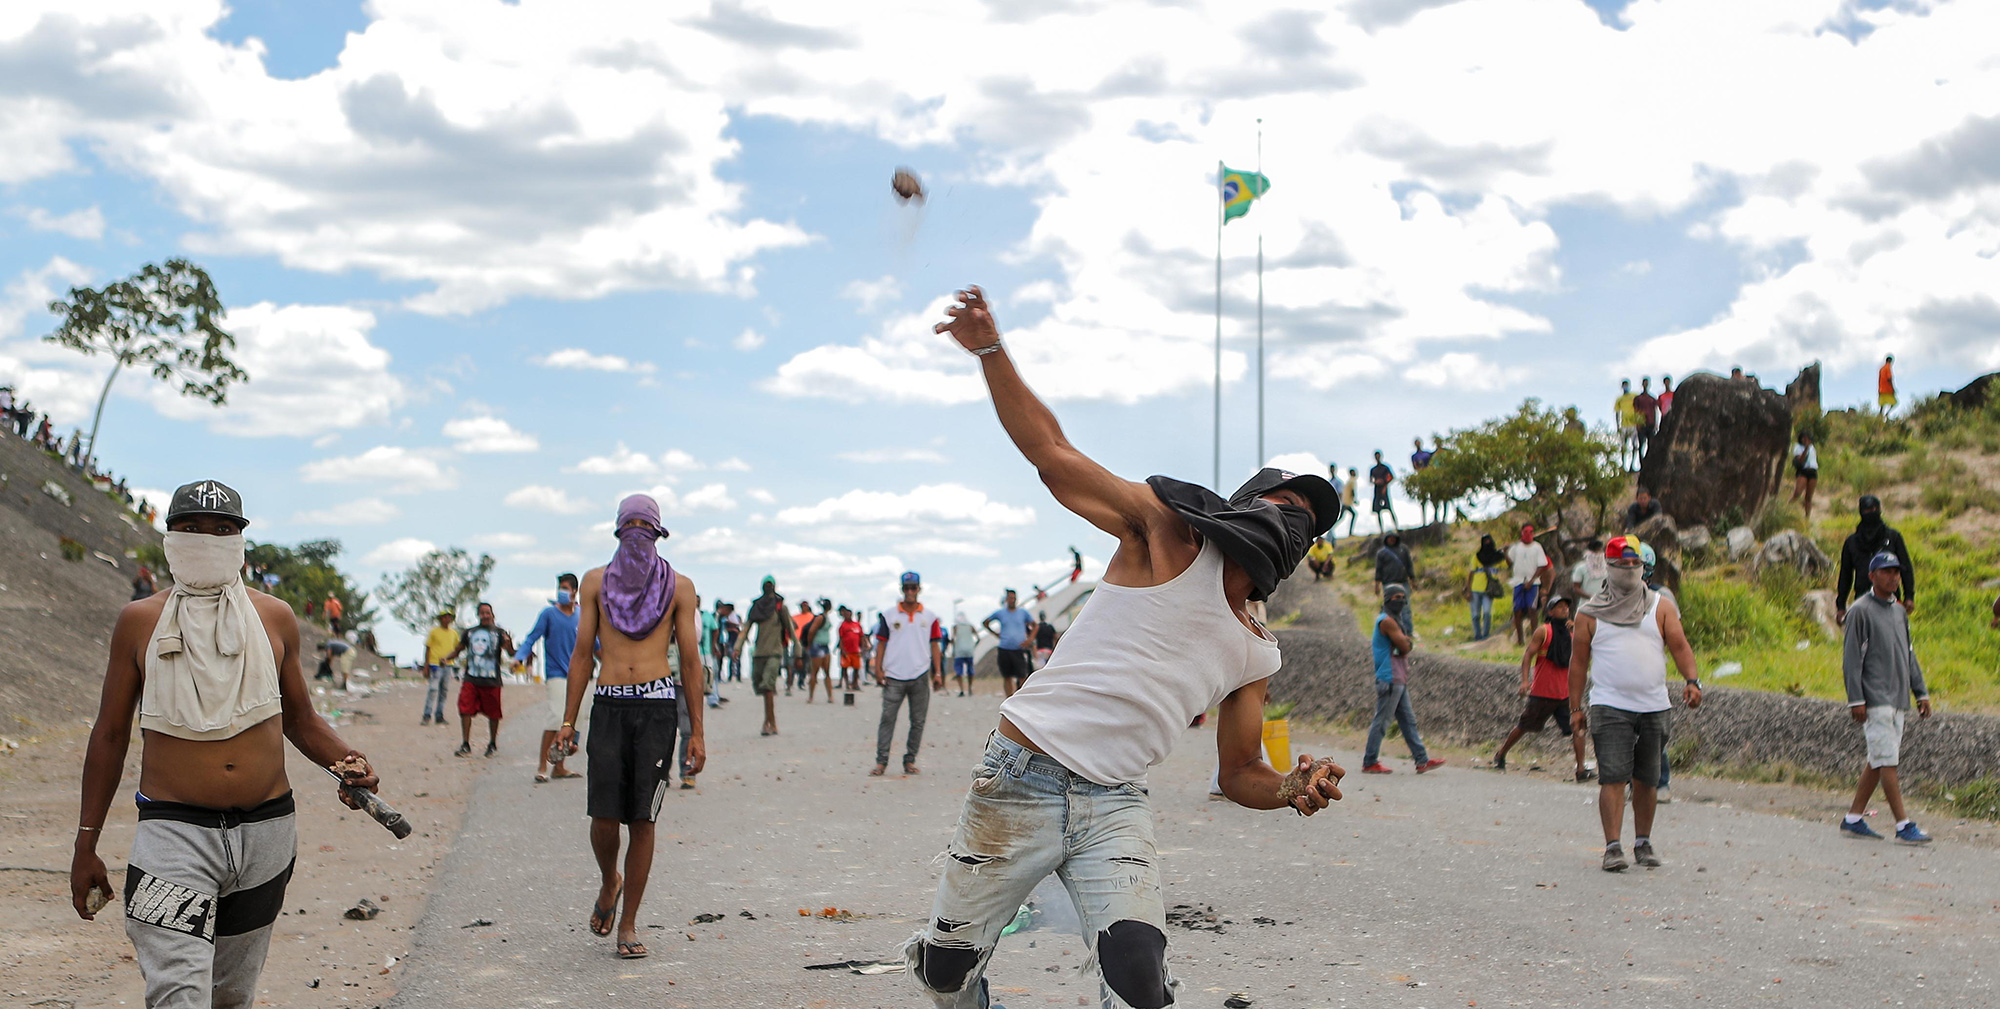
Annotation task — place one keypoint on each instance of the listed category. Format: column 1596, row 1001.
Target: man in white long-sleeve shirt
column 1165, row 636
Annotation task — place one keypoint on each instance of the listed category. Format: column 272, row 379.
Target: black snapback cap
column 206, row 497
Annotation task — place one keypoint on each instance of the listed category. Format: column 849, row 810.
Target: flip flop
column 565, row 774
column 605, row 914
column 911, row 769
column 879, row 770
column 632, row 951
column 541, row 779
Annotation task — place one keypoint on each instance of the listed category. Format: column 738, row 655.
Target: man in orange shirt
column 334, row 611
column 1885, row 385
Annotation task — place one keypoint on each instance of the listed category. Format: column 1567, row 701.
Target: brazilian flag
column 1239, row 189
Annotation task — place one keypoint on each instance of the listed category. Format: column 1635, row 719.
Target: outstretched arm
column 1123, row 508
column 1239, row 751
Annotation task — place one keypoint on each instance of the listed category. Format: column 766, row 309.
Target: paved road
column 1458, row 888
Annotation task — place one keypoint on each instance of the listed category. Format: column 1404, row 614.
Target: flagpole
column 1260, row 307
column 1218, row 326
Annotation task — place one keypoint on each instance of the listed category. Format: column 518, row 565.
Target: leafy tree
column 163, row 318
column 306, row 575
column 1530, row 459
column 440, row 581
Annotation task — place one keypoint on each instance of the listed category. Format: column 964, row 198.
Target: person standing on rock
column 555, row 626
column 767, row 661
column 1531, row 569
column 633, row 608
column 1420, row 460
column 1618, row 650
column 1871, row 536
column 1348, row 495
column 1880, row 666
column 1646, row 409
column 1627, row 419
column 1392, row 644
column 1666, row 396
column 484, row 646
column 1381, row 476
column 1545, row 684
column 1805, row 472
column 909, row 664
column 1164, row 637
column 1885, row 385
column 211, row 670
column 439, row 646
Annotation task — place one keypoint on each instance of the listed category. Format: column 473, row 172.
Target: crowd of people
column 18, row 417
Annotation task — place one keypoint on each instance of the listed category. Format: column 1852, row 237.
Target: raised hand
column 971, row 322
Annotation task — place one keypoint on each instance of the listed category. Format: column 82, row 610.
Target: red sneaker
column 1430, row 765
column 1376, row 769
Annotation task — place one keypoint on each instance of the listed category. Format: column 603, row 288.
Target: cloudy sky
column 492, row 265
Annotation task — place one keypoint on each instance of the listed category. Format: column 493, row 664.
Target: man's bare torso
column 622, row 659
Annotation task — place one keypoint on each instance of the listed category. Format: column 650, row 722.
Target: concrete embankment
column 1329, row 673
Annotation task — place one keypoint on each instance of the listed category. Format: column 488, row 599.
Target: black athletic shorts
column 1536, row 715
column 631, row 752
column 1013, row 663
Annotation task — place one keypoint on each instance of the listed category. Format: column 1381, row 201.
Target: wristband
column 1695, row 684
column 91, row 829
column 992, row 348
column 569, row 725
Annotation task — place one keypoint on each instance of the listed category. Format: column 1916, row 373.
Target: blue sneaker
column 1912, row 834
column 1860, row 828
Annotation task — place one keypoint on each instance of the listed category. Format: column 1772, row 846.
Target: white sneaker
column 1665, row 797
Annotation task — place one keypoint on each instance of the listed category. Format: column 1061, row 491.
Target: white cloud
column 1298, row 462
column 398, row 552
column 882, row 455
column 365, row 511
column 733, row 465
column 488, row 435
column 749, row 339
column 87, row 223
column 503, row 541
column 543, row 498
column 399, row 470
column 793, row 564
column 49, row 377
column 761, row 496
column 578, row 359
column 547, row 558
column 312, row 370
column 676, row 460
column 1464, row 372
column 712, row 497
column 869, row 295
column 622, row 460
column 939, row 511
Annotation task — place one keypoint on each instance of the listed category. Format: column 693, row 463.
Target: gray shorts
column 202, row 887
column 1628, row 744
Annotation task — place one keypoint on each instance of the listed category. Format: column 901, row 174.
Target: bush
column 1727, row 614
column 1775, row 516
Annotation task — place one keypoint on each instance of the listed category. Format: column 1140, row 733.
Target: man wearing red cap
column 1167, row 634
column 1618, row 650
column 1531, row 569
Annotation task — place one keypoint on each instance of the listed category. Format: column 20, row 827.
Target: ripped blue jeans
column 1025, row 817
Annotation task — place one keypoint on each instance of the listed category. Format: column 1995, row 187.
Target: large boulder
column 1795, row 550
column 1973, row 395
column 1696, row 540
column 1803, row 393
column 1722, row 446
column 1660, row 533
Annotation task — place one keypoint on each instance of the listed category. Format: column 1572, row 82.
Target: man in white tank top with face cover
column 1165, row 636
column 1619, row 647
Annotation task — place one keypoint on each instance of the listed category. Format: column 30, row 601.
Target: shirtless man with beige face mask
column 211, row 669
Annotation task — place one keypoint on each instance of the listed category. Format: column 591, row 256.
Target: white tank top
column 1628, row 665
column 1134, row 670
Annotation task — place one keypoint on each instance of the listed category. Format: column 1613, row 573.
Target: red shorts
column 850, row 660
column 475, row 698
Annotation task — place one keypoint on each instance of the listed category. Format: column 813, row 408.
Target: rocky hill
column 56, row 613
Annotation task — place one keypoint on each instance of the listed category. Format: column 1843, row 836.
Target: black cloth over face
column 1268, row 540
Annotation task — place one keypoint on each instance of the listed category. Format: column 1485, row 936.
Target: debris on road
column 1237, row 1001
column 363, row 910
column 477, row 923
column 314, row 983
column 1198, row 919
column 861, row 966
column 746, row 914
column 703, row 919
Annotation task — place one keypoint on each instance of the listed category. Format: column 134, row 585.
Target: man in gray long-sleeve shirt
column 1882, row 673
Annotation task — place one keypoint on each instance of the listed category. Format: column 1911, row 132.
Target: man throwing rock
column 633, row 608
column 1165, row 636
column 211, row 668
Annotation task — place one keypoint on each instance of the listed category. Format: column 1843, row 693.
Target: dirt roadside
column 58, row 961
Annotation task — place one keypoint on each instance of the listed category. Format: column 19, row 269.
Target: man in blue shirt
column 1015, row 628
column 556, row 627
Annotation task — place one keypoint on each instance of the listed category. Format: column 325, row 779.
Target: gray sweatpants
column 202, row 888
column 893, row 692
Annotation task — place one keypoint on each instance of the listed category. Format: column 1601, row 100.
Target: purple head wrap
column 638, row 583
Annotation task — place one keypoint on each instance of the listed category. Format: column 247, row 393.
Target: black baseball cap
column 206, row 497
column 1315, row 489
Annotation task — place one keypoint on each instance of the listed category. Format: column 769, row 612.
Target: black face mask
column 1267, row 539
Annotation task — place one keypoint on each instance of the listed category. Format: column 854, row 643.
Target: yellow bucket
column 1278, row 743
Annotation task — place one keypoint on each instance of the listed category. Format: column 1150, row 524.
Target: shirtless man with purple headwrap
column 632, row 608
